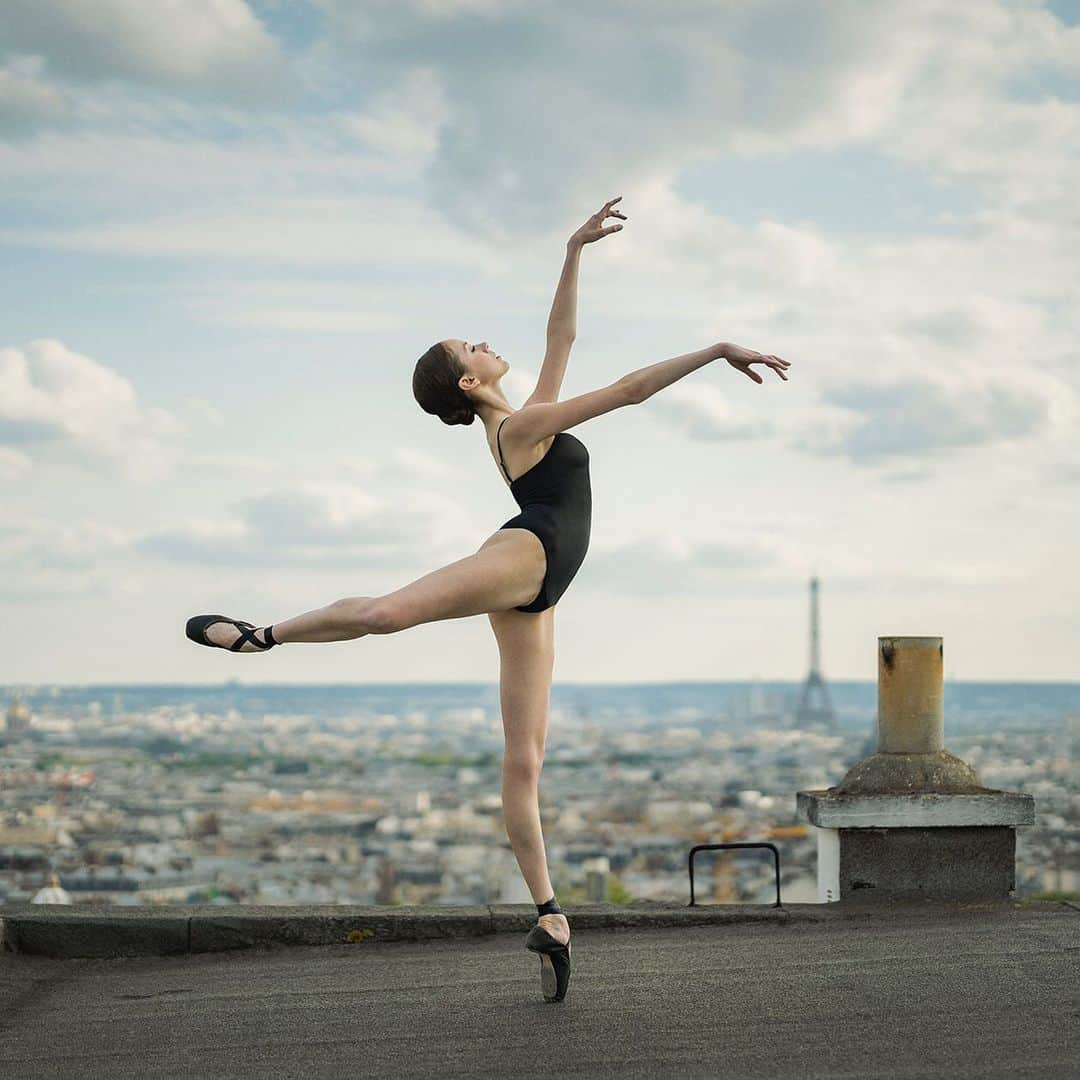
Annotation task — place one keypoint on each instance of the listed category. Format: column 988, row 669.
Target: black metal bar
column 735, row 844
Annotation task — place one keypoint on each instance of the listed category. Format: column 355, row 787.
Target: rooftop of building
column 923, row 988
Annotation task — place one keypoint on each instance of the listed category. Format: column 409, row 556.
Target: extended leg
column 507, row 571
column 344, row 619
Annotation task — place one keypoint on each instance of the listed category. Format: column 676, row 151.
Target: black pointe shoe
column 554, row 962
column 197, row 624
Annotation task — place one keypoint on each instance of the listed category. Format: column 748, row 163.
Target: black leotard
column 556, row 503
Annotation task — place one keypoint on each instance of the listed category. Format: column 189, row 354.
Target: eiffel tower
column 814, row 704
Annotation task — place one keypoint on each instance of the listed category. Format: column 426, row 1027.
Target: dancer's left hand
column 593, row 229
column 741, row 358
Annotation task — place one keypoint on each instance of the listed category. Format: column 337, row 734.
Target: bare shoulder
column 519, row 446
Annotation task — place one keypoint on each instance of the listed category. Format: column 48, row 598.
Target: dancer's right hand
column 741, row 359
column 593, row 229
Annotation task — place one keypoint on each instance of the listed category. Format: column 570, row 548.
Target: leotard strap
column 498, row 432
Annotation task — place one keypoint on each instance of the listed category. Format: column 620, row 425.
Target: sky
column 228, row 229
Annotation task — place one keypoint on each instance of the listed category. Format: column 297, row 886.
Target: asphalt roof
column 967, row 990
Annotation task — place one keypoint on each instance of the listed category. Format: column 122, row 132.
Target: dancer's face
column 478, row 358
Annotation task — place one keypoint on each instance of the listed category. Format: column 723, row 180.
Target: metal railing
column 735, row 844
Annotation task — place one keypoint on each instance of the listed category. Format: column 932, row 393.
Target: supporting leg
column 527, row 659
column 521, row 816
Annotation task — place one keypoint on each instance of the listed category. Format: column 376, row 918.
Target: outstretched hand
column 741, row 359
column 594, row 228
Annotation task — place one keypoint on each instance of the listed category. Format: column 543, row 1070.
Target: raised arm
column 562, row 322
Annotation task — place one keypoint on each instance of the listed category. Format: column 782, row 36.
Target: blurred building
column 17, row 720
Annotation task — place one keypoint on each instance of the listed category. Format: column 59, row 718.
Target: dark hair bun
column 464, row 415
column 437, row 388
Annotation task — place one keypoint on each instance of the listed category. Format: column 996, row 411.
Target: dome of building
column 18, row 716
column 51, row 893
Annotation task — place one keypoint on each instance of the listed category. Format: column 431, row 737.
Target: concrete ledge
column 833, row 809
column 97, row 932
column 60, row 931
column 245, row 926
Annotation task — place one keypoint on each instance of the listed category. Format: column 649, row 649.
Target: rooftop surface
column 920, row 990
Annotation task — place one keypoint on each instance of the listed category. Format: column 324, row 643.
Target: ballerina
column 518, row 574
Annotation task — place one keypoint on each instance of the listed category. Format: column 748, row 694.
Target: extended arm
column 542, row 419
column 647, row 380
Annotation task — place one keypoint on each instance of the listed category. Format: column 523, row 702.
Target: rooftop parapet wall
column 66, row 932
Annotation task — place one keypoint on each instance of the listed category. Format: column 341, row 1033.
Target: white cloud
column 55, row 399
column 915, row 415
column 418, row 464
column 174, row 159
column 392, row 17
column 319, row 525
column 750, row 558
column 402, row 122
column 372, row 231
column 204, row 410
column 174, row 43
column 665, row 563
column 25, row 98
column 43, row 556
column 13, row 463
column 314, row 320
column 1064, row 472
column 294, row 303
column 705, row 412
column 662, row 85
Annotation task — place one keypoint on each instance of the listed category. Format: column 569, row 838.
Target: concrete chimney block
column 913, row 820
